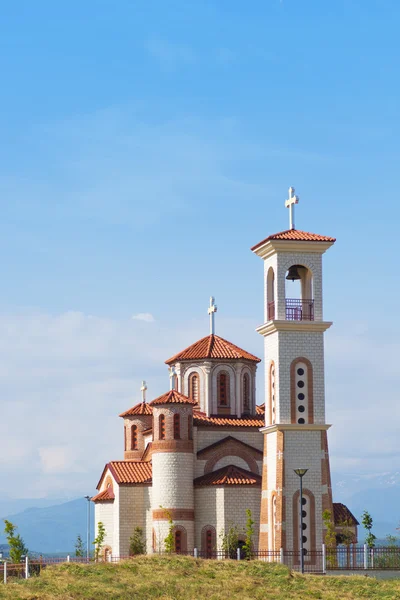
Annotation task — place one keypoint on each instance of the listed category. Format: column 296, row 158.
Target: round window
column 304, row 526
column 304, row 501
column 300, row 384
column 301, row 408
column 300, row 371
column 304, row 539
column 301, row 396
column 301, row 421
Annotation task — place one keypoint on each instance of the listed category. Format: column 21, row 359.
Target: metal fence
column 342, row 558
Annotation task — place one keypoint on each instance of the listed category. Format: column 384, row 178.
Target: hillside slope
column 52, row 529
column 185, row 578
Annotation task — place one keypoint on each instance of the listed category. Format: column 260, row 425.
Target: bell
column 293, row 274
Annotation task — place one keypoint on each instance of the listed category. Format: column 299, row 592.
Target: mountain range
column 54, row 529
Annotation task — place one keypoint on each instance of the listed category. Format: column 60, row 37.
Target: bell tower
column 295, row 432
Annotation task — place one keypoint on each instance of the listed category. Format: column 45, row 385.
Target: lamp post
column 88, row 498
column 301, row 473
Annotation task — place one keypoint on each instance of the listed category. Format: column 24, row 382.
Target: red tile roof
column 104, row 496
column 212, row 346
column 296, row 235
column 139, row 409
column 260, row 409
column 342, row 514
column 173, row 397
column 230, row 475
column 129, row 471
column 200, row 418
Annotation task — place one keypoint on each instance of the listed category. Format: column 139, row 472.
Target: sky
column 145, row 147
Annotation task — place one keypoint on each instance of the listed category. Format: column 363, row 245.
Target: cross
column 143, row 390
column 290, row 202
column 172, row 376
column 211, row 311
column 279, row 491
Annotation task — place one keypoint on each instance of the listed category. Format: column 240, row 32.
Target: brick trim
column 280, row 534
column 172, row 446
column 271, row 366
column 293, row 391
column 176, row 514
column 263, row 537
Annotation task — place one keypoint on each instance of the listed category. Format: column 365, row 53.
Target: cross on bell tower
column 172, row 378
column 290, row 202
column 143, row 390
column 211, row 311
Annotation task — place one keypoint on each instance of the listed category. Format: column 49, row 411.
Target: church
column 203, row 452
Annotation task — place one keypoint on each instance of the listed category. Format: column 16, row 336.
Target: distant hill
column 384, row 507
column 52, row 529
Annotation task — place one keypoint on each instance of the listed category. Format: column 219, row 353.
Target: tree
column 249, row 534
column 230, row 540
column 136, row 542
column 15, row 542
column 99, row 540
column 169, row 542
column 367, row 522
column 79, row 546
column 330, row 538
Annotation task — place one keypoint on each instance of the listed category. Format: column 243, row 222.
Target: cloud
column 147, row 317
column 64, row 379
column 170, row 55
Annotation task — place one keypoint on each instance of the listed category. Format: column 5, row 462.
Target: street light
column 88, row 498
column 301, row 473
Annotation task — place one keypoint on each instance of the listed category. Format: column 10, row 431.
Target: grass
column 186, row 578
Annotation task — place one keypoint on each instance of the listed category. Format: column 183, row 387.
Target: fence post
column 324, row 559
column 238, row 553
column 195, row 553
column 5, row 571
column 26, row 567
column 68, row 558
column 372, row 558
column 282, row 559
column 365, row 557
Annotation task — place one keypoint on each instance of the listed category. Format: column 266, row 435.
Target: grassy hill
column 185, row 578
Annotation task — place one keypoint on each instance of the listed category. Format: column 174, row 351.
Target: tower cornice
column 295, row 427
column 271, row 247
column 280, row 325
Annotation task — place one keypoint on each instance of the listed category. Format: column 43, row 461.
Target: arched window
column 223, row 388
column 194, row 386
column 190, row 427
column 177, row 426
column 161, row 427
column 134, row 441
column 208, row 540
column 307, row 507
column 178, row 540
column 272, row 394
column 270, row 309
column 302, row 403
column 246, row 392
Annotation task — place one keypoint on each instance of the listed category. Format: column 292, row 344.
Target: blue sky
column 145, row 147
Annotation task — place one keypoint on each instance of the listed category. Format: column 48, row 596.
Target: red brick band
column 176, row 514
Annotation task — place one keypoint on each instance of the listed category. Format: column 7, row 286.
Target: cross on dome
column 290, row 202
column 211, row 311
column 143, row 390
column 172, row 378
